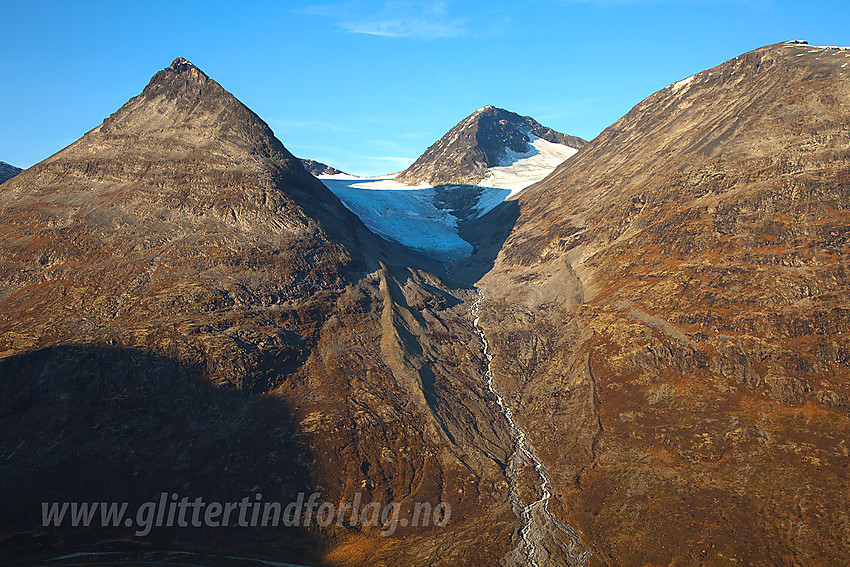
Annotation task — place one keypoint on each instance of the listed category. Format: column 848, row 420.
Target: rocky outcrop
column 8, row 171
column 476, row 143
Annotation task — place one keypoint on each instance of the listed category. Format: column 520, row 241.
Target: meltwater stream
column 538, row 522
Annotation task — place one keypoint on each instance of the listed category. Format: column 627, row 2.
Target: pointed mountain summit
column 182, row 159
column 182, row 184
column 488, row 156
column 181, row 104
column 189, row 119
column 488, row 138
column 8, row 171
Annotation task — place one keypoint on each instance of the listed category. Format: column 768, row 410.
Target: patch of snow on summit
column 684, row 83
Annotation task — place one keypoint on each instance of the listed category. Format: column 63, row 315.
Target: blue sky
column 366, row 86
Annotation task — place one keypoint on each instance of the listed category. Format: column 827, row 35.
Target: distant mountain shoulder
column 318, row 168
column 8, row 171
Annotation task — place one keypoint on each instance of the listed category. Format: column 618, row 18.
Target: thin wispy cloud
column 396, row 18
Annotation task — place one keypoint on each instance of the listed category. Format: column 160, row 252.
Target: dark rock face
column 318, row 168
column 8, row 171
column 669, row 317
column 178, row 266
column 124, row 425
column 476, row 143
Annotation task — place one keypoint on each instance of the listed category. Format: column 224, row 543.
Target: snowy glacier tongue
column 402, row 213
column 421, row 216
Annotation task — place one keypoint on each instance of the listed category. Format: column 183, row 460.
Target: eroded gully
column 544, row 539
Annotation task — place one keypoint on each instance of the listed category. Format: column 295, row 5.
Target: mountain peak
column 185, row 125
column 186, row 144
column 179, row 65
column 182, row 104
column 181, row 69
column 480, row 141
column 185, row 67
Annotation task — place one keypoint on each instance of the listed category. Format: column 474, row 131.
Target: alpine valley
column 628, row 351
